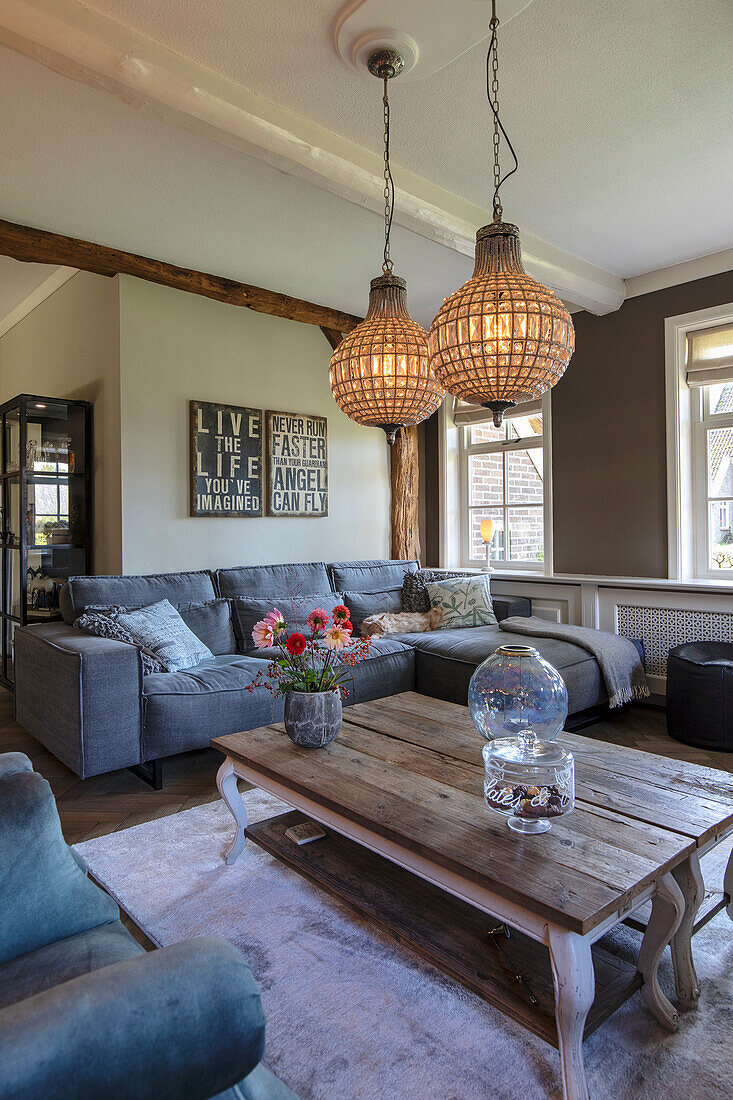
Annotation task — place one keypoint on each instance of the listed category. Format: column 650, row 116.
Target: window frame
column 465, row 451
column 687, row 425
column 703, row 422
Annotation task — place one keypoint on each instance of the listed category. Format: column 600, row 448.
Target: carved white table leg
column 728, row 885
column 688, row 877
column 226, row 781
column 574, row 978
column 668, row 905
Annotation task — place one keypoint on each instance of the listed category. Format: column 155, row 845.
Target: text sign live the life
column 297, row 465
column 226, row 460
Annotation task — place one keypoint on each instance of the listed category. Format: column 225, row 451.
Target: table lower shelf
column 449, row 933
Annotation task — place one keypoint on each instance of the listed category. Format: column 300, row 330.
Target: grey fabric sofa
column 85, row 1011
column 85, row 698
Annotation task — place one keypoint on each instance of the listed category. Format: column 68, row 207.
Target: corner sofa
column 85, row 1011
column 86, row 700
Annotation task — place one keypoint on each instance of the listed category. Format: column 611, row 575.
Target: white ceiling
column 620, row 113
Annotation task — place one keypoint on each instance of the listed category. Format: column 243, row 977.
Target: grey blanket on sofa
column 617, row 657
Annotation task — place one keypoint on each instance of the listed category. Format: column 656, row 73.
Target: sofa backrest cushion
column 369, row 576
column 273, row 581
column 44, row 894
column 178, row 588
column 247, row 611
column 211, row 621
column 363, row 604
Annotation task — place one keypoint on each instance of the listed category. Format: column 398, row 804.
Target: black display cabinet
column 46, row 507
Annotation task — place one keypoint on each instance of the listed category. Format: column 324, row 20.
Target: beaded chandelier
column 380, row 372
column 502, row 338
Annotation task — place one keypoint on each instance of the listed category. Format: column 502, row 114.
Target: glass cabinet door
column 56, row 501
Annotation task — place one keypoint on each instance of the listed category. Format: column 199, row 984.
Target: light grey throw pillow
column 162, row 631
column 465, row 601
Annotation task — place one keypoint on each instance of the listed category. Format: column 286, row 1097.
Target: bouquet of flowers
column 318, row 661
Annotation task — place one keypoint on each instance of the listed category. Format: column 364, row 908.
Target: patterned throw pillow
column 415, row 586
column 102, row 622
column 161, row 630
column 465, row 601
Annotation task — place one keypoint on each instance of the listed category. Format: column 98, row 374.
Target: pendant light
column 502, row 338
column 380, row 373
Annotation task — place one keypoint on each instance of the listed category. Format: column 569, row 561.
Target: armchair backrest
column 44, row 894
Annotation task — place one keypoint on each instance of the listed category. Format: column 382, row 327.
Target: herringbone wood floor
column 92, row 807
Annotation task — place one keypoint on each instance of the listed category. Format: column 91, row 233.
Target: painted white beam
column 88, row 47
column 56, row 279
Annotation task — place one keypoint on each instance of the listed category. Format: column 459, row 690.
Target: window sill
column 702, row 585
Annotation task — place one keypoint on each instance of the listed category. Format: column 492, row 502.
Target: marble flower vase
column 313, row 718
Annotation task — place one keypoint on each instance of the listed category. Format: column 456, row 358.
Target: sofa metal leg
column 151, row 773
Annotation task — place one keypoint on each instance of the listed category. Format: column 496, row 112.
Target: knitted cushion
column 102, row 622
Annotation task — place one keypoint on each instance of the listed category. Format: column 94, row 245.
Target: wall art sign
column 297, row 464
column 226, row 460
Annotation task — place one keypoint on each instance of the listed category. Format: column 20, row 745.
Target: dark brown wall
column 609, row 435
column 609, row 463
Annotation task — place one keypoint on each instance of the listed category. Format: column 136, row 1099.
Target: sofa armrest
column 80, row 696
column 185, row 1021
column 506, row 606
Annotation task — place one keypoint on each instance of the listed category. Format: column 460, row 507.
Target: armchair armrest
column 80, row 696
column 185, row 1022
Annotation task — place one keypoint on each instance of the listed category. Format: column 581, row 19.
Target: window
column 712, row 419
column 699, row 382
column 502, row 475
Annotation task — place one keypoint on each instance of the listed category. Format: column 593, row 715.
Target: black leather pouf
column 700, row 694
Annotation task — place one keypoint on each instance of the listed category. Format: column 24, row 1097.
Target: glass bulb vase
column 517, row 693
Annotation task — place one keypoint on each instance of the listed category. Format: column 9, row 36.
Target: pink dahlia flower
column 317, row 619
column 337, row 637
column 262, row 635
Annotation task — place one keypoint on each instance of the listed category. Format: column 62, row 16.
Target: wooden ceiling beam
column 29, row 245
column 333, row 336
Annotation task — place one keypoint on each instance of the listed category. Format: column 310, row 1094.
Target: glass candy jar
column 517, row 693
column 528, row 781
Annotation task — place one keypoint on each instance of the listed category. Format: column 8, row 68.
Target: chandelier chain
column 492, row 94
column 387, row 265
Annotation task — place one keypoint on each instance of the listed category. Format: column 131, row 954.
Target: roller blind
column 464, row 414
column 710, row 356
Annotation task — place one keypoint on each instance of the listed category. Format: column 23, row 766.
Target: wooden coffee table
column 412, row 845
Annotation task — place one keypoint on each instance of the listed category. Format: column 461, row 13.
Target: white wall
column 176, row 347
column 69, row 347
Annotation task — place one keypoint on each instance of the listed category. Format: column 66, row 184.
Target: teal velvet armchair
column 85, row 1012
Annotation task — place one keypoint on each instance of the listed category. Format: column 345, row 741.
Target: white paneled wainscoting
column 661, row 613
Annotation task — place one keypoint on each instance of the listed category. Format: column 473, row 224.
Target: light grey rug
column 352, row 1015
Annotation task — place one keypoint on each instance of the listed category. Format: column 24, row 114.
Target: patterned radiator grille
column 662, row 628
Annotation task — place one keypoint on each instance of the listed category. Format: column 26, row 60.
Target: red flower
column 341, row 614
column 295, row 645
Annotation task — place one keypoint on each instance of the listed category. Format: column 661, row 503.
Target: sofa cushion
column 296, row 609
column 369, row 576
column 363, row 604
column 177, row 588
column 211, row 622
column 161, row 630
column 463, row 601
column 65, row 959
column 273, row 581
column 388, row 670
column 446, row 660
column 45, row 894
column 184, row 710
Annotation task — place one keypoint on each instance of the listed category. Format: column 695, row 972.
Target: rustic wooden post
column 405, row 477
